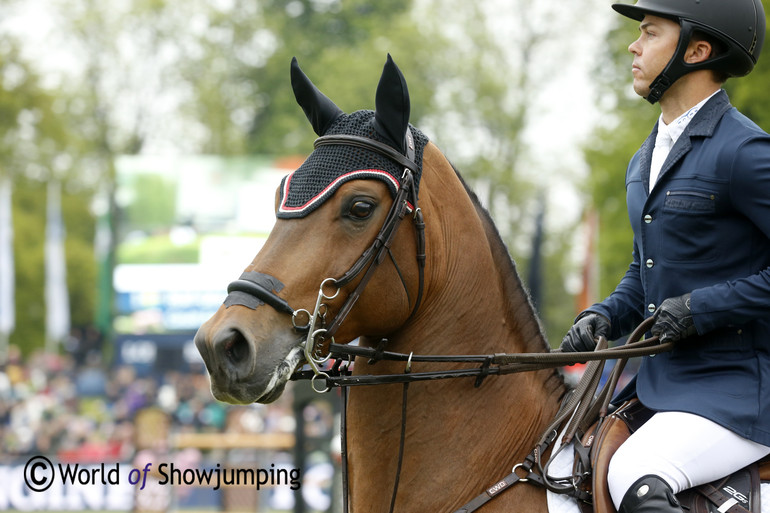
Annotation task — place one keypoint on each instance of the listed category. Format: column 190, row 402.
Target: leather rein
column 580, row 407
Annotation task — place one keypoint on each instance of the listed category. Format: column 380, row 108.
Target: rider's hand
column 673, row 319
column 583, row 334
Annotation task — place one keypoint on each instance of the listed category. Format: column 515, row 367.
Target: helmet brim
column 638, row 13
column 631, row 11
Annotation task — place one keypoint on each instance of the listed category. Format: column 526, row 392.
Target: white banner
column 7, row 302
column 99, row 495
column 57, row 309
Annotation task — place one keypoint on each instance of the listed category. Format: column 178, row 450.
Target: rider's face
column 652, row 50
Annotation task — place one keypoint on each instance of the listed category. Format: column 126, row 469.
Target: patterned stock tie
column 662, row 148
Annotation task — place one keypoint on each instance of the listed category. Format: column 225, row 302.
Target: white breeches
column 683, row 449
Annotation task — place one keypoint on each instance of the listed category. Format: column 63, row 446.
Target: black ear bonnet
column 330, row 166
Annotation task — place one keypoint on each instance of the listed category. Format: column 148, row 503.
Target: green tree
column 212, row 77
column 467, row 81
column 247, row 104
column 116, row 102
column 471, row 87
column 486, row 92
column 749, row 94
column 36, row 146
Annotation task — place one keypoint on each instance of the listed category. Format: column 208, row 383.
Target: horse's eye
column 361, row 209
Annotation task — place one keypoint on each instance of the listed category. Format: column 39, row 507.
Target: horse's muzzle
column 244, row 369
column 231, row 361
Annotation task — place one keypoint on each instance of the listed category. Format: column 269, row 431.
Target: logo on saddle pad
column 732, row 492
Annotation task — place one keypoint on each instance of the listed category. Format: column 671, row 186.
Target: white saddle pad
column 562, row 466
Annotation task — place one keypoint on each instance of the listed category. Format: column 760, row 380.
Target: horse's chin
column 248, row 395
column 272, row 395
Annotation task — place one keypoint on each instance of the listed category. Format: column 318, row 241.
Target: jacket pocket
column 689, row 223
column 694, row 202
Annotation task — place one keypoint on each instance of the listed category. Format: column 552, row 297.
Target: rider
column 698, row 197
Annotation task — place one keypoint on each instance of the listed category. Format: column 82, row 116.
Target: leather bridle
column 404, row 202
column 582, row 404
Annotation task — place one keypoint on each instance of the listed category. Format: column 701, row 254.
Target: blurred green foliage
column 207, row 77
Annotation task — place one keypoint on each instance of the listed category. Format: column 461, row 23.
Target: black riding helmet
column 738, row 24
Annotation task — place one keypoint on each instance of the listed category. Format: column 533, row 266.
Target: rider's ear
column 391, row 118
column 320, row 110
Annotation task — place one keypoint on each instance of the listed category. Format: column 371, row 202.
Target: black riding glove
column 583, row 334
column 673, row 319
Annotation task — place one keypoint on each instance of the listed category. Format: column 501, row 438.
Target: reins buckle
column 483, row 371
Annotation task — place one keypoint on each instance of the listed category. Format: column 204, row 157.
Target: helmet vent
column 753, row 41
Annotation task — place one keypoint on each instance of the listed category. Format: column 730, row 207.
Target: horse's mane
column 521, row 310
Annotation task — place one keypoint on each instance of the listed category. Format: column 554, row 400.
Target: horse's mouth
column 256, row 388
column 247, row 395
column 272, row 395
column 234, row 395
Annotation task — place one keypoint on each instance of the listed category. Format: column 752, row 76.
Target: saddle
column 737, row 493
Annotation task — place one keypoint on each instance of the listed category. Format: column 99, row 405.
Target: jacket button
column 648, row 219
column 651, row 308
column 650, row 263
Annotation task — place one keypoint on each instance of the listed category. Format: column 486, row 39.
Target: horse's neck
column 472, row 287
column 457, row 436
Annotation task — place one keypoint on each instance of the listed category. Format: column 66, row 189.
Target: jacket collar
column 703, row 124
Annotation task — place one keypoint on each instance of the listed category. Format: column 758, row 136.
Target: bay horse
column 464, row 298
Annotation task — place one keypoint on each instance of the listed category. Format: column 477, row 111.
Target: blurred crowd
column 85, row 410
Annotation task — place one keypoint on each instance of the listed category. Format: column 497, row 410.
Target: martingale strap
column 502, row 485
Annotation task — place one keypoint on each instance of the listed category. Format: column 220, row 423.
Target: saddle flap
column 603, row 439
column 764, row 469
column 737, row 493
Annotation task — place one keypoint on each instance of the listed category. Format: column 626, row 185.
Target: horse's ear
column 391, row 117
column 320, row 110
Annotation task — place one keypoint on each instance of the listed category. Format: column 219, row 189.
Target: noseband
column 404, row 202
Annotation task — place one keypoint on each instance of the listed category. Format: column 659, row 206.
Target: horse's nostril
column 237, row 348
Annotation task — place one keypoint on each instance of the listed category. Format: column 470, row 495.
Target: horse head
column 330, row 217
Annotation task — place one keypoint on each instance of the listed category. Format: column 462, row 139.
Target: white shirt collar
column 676, row 127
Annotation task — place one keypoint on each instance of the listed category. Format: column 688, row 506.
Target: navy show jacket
column 705, row 229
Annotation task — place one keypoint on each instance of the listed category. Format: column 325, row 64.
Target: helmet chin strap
column 676, row 67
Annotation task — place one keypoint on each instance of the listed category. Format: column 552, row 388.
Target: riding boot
column 650, row 494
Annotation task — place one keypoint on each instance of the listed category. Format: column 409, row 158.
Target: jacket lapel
column 702, row 125
column 645, row 158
